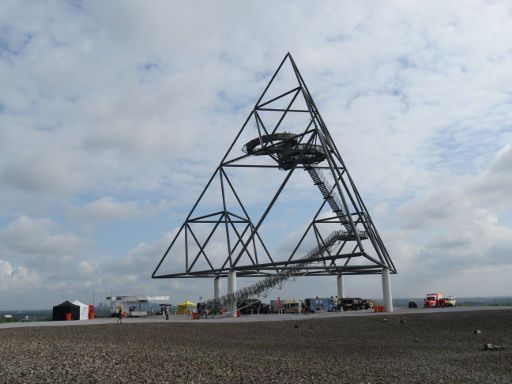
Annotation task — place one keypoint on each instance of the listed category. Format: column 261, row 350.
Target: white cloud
column 16, row 279
column 38, row 254
column 45, row 171
column 39, row 240
column 107, row 209
column 87, row 267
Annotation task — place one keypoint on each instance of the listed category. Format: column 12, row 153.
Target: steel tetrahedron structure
column 284, row 133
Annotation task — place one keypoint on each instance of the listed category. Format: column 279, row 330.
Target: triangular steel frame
column 289, row 152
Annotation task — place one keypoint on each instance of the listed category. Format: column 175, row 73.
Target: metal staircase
column 334, row 201
column 263, row 286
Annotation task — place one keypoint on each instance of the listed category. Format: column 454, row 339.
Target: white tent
column 84, row 310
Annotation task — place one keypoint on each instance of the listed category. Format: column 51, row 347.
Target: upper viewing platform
column 285, row 149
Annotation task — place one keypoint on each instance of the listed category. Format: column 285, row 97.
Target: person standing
column 166, row 313
column 120, row 314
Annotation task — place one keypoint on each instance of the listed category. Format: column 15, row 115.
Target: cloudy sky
column 113, row 116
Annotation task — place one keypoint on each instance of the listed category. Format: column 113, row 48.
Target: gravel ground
column 416, row 348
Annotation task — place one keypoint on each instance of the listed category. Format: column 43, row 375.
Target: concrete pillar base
column 341, row 288
column 232, row 289
column 216, row 288
column 386, row 290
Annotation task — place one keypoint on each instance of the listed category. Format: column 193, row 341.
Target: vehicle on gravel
column 320, row 304
column 432, row 300
column 252, row 307
column 449, row 301
column 437, row 300
column 353, row 304
column 292, row 306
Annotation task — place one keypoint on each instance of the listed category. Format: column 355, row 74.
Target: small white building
column 134, row 306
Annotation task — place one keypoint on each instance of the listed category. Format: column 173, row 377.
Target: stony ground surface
column 423, row 348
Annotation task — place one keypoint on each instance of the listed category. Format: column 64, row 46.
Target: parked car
column 325, row 304
column 449, row 301
column 413, row 304
column 253, row 306
column 353, row 304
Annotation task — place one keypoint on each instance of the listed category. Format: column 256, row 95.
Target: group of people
column 210, row 309
column 203, row 309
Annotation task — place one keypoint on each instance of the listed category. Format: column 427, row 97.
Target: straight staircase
column 334, row 201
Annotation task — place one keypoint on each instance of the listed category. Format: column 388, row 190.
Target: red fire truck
column 433, row 300
column 437, row 300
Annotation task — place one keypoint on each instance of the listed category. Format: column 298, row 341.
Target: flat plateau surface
column 418, row 347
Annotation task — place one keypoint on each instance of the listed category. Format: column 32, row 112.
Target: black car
column 353, row 304
column 413, row 304
column 253, row 307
